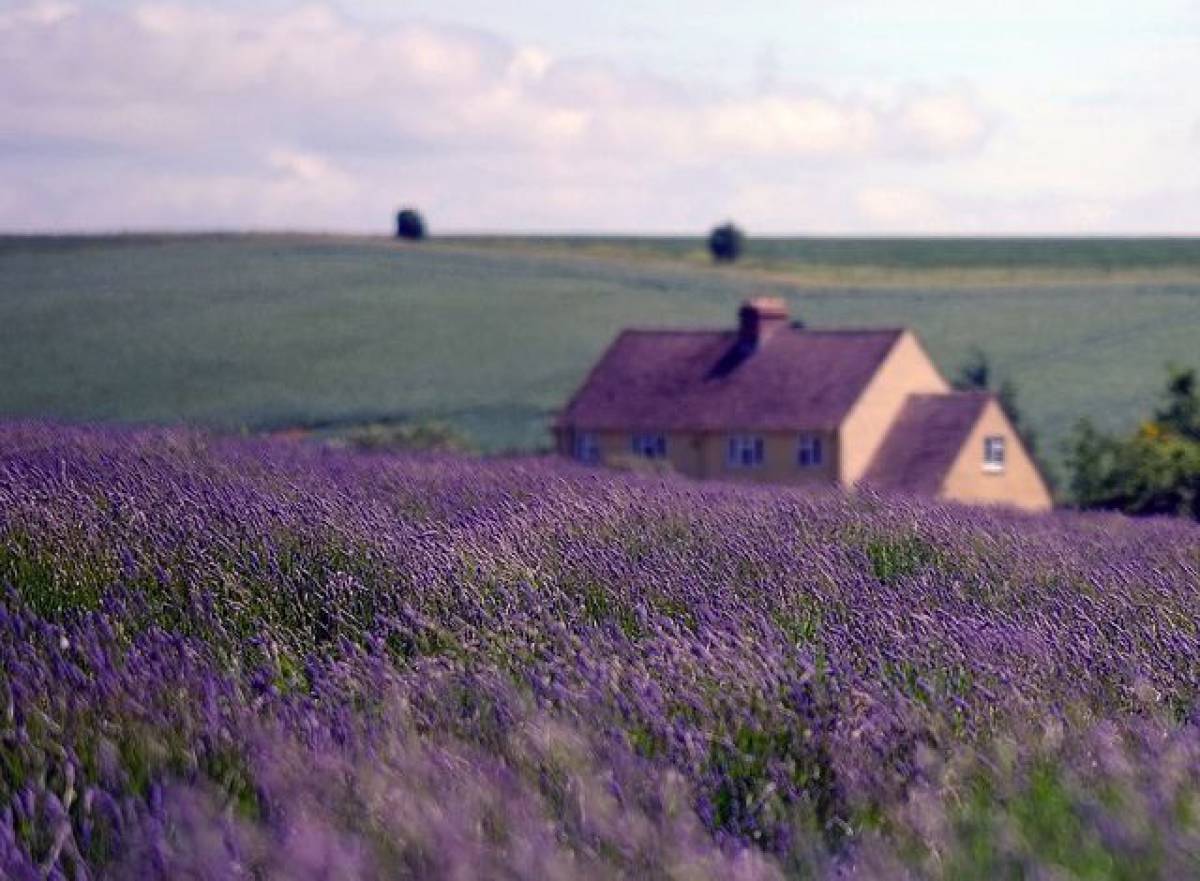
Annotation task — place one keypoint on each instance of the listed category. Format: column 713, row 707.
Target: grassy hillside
column 929, row 261
column 493, row 335
column 230, row 659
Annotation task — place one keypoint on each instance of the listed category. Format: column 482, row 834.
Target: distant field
column 937, row 261
column 492, row 335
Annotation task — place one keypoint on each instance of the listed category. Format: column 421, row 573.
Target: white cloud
column 304, row 166
column 939, row 123
column 791, row 125
column 42, row 13
column 901, row 207
column 199, row 116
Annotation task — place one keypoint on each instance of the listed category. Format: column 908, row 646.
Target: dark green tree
column 725, row 243
column 975, row 372
column 1180, row 409
column 410, row 225
column 1154, row 471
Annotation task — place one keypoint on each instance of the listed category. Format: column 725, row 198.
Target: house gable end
column 906, row 370
column 1018, row 483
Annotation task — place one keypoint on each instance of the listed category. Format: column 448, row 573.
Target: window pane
column 649, row 446
column 993, row 452
column 744, row 451
column 808, row 451
column 587, row 447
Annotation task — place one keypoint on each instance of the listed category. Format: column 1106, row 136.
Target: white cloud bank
column 175, row 116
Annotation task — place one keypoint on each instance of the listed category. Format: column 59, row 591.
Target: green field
column 493, row 334
column 897, row 261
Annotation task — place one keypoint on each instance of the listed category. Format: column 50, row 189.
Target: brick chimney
column 759, row 319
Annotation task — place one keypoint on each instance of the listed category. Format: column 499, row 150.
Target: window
column 745, row 451
column 993, row 453
column 587, row 447
column 808, row 452
column 650, row 446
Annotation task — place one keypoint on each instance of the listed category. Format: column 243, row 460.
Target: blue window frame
column 745, row 451
column 587, row 447
column 649, row 446
column 810, row 451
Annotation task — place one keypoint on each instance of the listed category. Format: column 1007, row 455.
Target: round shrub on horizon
column 410, row 225
column 726, row 242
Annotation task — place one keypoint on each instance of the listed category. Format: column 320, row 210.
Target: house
column 774, row 401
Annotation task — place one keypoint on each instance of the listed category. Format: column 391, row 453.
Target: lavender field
column 228, row 659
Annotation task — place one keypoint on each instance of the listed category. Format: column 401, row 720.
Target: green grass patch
column 490, row 338
column 895, row 558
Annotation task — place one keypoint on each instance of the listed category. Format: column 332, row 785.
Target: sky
column 810, row 117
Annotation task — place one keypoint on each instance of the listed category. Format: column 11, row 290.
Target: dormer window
column 993, row 453
column 587, row 447
column 809, row 452
column 745, row 451
column 649, row 446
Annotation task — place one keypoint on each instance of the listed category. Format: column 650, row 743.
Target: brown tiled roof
column 924, row 441
column 705, row 381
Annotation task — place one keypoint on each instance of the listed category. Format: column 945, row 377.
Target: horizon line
column 468, row 233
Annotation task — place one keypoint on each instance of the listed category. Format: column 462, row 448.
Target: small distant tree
column 1180, row 408
column 975, row 372
column 725, row 243
column 410, row 225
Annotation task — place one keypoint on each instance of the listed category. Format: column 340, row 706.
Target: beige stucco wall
column 907, row 370
column 1019, row 484
column 704, row 456
column 683, row 452
column 779, row 455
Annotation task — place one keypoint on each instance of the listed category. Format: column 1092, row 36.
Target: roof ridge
column 804, row 329
column 916, row 453
column 957, row 393
column 676, row 330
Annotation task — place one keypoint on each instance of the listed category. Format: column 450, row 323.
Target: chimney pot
column 759, row 319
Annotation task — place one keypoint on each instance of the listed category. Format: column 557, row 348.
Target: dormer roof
column 924, row 441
